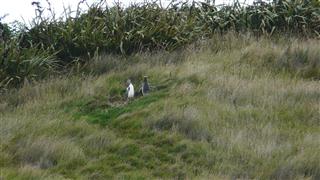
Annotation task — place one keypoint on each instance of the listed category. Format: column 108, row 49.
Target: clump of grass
column 299, row 59
column 306, row 163
column 98, row 143
column 302, row 60
column 47, row 153
column 186, row 125
column 31, row 91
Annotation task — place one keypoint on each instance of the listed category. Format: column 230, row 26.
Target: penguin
column 130, row 89
column 145, row 86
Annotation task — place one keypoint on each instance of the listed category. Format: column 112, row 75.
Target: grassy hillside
column 231, row 107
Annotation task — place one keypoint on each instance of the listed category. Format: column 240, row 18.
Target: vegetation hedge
column 52, row 44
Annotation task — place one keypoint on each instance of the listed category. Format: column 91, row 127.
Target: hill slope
column 230, row 107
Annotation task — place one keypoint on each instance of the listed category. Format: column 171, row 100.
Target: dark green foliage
column 26, row 53
column 19, row 64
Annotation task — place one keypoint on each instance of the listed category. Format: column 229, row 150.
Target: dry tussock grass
column 254, row 120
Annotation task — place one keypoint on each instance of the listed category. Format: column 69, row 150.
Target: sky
column 23, row 11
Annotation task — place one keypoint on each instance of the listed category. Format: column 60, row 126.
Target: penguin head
column 145, row 78
column 128, row 82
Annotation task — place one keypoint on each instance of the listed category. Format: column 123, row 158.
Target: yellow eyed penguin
column 145, row 86
column 130, row 89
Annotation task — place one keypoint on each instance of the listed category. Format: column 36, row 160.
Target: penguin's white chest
column 130, row 90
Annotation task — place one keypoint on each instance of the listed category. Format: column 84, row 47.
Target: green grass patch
column 142, row 152
column 102, row 113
